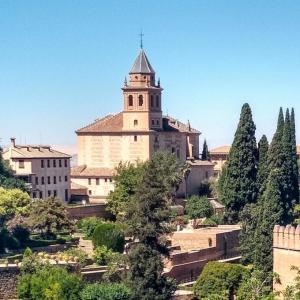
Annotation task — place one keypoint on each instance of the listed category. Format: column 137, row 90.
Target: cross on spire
column 141, row 39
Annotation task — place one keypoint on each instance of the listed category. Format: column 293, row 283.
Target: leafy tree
column 102, row 255
column 198, row 207
column 126, row 181
column 205, row 152
column 49, row 283
column 253, row 287
column 263, row 171
column 219, row 279
column 295, row 179
column 292, row 292
column 88, row 225
column 148, row 216
column 239, row 183
column 13, row 202
column 106, row 291
column 109, row 235
column 270, row 215
column 49, row 216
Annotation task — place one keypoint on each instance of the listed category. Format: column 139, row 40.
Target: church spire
column 142, row 65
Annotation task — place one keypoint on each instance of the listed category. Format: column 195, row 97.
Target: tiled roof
column 114, row 123
column 198, row 162
column 35, row 151
column 220, row 150
column 142, row 65
column 84, row 171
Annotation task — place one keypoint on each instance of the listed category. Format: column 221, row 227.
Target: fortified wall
column 286, row 253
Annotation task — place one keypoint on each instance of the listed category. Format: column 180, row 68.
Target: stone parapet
column 286, row 237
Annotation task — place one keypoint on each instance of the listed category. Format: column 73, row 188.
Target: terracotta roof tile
column 84, row 171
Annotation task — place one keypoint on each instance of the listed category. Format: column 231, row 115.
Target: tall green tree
column 262, row 173
column 275, row 155
column 205, row 152
column 239, row 184
column 287, row 188
column 295, row 180
column 148, row 215
column 270, row 215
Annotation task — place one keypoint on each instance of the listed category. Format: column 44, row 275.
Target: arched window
column 157, row 101
column 135, row 122
column 141, row 100
column 130, row 100
column 151, row 101
column 157, row 122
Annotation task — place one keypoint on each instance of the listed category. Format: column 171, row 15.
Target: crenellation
column 286, row 237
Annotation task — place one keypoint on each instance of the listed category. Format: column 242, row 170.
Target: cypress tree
column 270, row 215
column 239, row 184
column 262, row 173
column 275, row 150
column 295, row 179
column 205, row 153
column 287, row 188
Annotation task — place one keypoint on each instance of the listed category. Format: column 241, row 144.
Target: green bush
column 106, row 291
column 21, row 233
column 88, row 225
column 109, row 235
column 102, row 255
column 219, row 279
column 80, row 254
column 209, row 222
column 49, row 282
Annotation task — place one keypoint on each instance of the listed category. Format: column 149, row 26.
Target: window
column 41, row 195
column 59, row 163
column 66, row 195
column 54, row 179
column 90, row 181
column 54, row 193
column 173, row 150
column 130, row 100
column 157, row 101
column 178, row 153
column 66, row 163
column 97, row 181
column 48, row 163
column 135, row 122
column 43, row 180
column 151, row 101
column 34, row 195
column 54, row 163
column 105, row 179
column 135, row 138
column 157, row 122
column 49, row 180
column 141, row 100
column 49, row 193
column 59, row 178
column 206, row 174
column 42, row 163
column 66, row 178
column 90, row 192
column 21, row 164
column 36, row 180
column 152, row 122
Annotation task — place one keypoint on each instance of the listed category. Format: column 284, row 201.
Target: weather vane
column 141, row 37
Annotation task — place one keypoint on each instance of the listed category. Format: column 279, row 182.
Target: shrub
column 80, row 254
column 102, row 255
column 88, row 225
column 21, row 233
column 209, row 222
column 106, row 291
column 109, row 235
column 219, row 279
column 49, row 282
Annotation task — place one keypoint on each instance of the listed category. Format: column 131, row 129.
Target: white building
column 46, row 170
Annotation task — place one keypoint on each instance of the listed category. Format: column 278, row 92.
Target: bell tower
column 142, row 97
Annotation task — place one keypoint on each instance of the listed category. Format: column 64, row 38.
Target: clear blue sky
column 62, row 63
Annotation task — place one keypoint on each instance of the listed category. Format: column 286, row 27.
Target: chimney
column 13, row 142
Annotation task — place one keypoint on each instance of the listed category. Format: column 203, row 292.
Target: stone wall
column 286, row 253
column 83, row 211
column 8, row 282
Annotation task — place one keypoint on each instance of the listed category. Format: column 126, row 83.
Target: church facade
column 135, row 134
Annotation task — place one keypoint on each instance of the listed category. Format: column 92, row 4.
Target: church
column 134, row 135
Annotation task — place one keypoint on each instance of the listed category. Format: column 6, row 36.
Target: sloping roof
column 35, row 151
column 114, row 123
column 220, row 150
column 141, row 65
column 84, row 171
